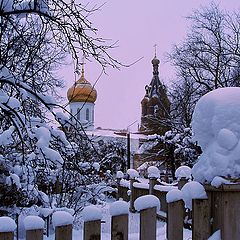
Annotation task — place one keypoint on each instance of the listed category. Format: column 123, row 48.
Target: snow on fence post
column 153, row 175
column 119, row 223
column 183, row 174
column 191, row 191
column 119, row 176
column 175, row 215
column 92, row 223
column 148, row 206
column 62, row 222
column 132, row 175
column 34, row 226
column 7, row 228
column 201, row 219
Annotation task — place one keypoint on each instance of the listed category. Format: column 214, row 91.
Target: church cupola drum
column 155, row 105
column 82, row 96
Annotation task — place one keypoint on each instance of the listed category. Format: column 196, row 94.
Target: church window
column 87, row 114
column 78, row 114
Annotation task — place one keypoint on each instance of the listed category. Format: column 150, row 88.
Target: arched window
column 87, row 114
column 78, row 114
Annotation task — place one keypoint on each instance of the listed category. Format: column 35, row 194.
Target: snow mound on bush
column 216, row 128
column 147, row 201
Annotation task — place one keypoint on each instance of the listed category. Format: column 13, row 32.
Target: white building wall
column 82, row 107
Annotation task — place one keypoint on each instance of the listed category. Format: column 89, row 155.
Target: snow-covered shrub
column 216, row 128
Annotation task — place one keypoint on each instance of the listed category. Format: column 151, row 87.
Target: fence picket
column 6, row 235
column 63, row 232
column 201, row 229
column 92, row 230
column 36, row 234
column 175, row 217
column 119, row 227
column 148, row 224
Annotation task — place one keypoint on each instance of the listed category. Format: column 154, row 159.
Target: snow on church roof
column 114, row 133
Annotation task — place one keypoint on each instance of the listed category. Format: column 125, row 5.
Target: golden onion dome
column 82, row 91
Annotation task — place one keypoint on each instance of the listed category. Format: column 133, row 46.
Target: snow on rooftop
column 216, row 128
column 61, row 218
column 147, row 201
column 114, row 133
column 119, row 208
column 7, row 224
column 33, row 222
column 91, row 213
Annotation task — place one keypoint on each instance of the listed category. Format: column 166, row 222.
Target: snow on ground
column 134, row 227
column 216, row 127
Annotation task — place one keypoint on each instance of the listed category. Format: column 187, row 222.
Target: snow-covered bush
column 216, row 128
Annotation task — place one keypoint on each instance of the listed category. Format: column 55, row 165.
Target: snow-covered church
column 155, row 105
column 155, row 110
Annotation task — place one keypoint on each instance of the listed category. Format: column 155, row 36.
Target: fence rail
column 220, row 211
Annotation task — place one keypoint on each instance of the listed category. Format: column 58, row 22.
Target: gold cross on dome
column 155, row 49
column 83, row 63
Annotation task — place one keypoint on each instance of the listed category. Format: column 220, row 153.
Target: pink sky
column 138, row 25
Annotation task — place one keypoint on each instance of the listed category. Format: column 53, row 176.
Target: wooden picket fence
column 92, row 229
column 220, row 211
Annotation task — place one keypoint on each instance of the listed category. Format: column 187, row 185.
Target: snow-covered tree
column 36, row 37
column 175, row 148
column 207, row 59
